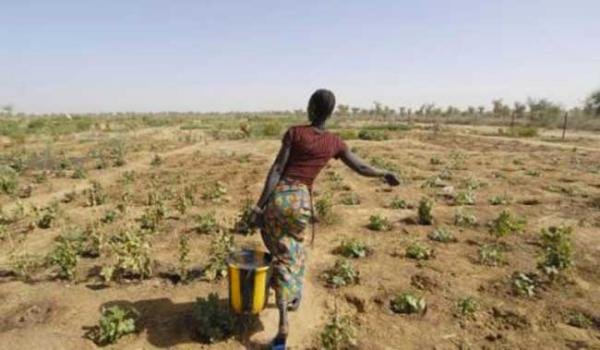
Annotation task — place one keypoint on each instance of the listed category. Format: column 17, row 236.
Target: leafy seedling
column 524, row 284
column 212, row 321
column 419, row 252
column 379, row 222
column 466, row 307
column 442, row 235
column 115, row 323
column 206, row 223
column 220, row 249
column 352, row 248
column 464, row 219
column 491, row 255
column 339, row 333
column 425, row 216
column 341, row 274
column 506, row 224
column 408, row 303
column 558, row 251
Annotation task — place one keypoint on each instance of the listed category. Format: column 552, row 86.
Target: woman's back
column 310, row 150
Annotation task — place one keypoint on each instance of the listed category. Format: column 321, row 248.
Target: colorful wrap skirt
column 286, row 215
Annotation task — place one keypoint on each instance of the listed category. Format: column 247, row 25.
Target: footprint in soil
column 27, row 315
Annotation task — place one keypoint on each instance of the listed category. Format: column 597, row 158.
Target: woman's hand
column 391, row 179
column 257, row 217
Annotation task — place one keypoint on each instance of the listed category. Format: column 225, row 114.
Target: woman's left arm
column 274, row 175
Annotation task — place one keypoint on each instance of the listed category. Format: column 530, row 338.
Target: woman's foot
column 279, row 342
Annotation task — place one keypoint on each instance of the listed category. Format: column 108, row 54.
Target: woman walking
column 284, row 209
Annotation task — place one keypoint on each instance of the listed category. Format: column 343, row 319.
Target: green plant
column 132, row 251
column 408, row 303
column 472, row 184
column 23, row 265
column 183, row 256
column 109, row 216
column 464, row 219
column 66, row 256
column 324, row 210
column 271, row 128
column 381, row 163
column 352, row 248
column 506, row 223
column 47, row 215
column 443, row 235
column 379, row 222
column 156, row 160
column 418, row 252
column 558, row 251
column 491, row 255
column 215, row 192
column 115, row 322
column 212, row 321
column 9, row 180
column 464, row 198
column 398, row 203
column 533, row 172
column 467, row 306
column 435, row 160
column 244, row 223
column 206, row 223
column 579, row 320
column 95, row 194
column 500, row 200
column 425, row 217
column 350, row 198
column 372, row 135
column 341, row 274
column 220, row 249
column 524, row 284
column 339, row 333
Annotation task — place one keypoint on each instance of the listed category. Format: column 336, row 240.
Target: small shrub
column 212, row 321
column 244, row 224
column 379, row 222
column 220, row 249
column 132, row 251
column 23, row 265
column 183, row 256
column 464, row 198
column 425, row 217
column 156, row 160
column 350, row 198
column 506, row 224
column 500, row 200
column 464, row 219
column 408, row 303
column 372, row 135
column 47, row 215
column 579, row 320
column 520, row 131
column 472, row 184
column 206, row 223
column 442, row 235
column 491, row 255
column 339, row 333
column 9, row 180
column 466, row 307
column 352, row 248
column 95, row 194
column 153, row 216
column 435, row 161
column 398, row 203
column 418, row 252
column 524, row 284
column 109, row 216
column 324, row 210
column 215, row 192
column 115, row 323
column 558, row 252
column 66, row 256
column 271, row 128
column 341, row 274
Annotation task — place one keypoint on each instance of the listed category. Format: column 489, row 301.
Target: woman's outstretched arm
column 364, row 169
column 274, row 175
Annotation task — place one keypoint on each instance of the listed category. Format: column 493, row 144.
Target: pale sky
column 102, row 56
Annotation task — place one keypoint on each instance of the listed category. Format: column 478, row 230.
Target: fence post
column 565, row 125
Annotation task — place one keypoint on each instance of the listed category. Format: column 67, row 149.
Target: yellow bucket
column 249, row 274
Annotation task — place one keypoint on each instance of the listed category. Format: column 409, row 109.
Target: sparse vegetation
column 419, row 251
column 220, row 249
column 339, row 333
column 425, row 215
column 464, row 218
column 115, row 322
column 379, row 222
column 341, row 274
column 558, row 252
column 491, row 255
column 506, row 223
column 66, row 257
column 212, row 321
column 467, row 307
column 206, row 223
column 442, row 235
column 398, row 203
column 408, row 303
column 352, row 248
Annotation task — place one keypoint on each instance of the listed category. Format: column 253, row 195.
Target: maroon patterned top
column 310, row 150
